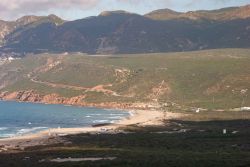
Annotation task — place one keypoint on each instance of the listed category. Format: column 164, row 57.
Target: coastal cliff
column 32, row 96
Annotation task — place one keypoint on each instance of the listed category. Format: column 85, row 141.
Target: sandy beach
column 51, row 136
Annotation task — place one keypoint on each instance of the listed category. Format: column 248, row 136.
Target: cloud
column 10, row 9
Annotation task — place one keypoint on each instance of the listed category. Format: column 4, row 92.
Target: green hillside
column 213, row 79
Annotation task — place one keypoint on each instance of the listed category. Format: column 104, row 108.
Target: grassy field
column 213, row 79
column 194, row 140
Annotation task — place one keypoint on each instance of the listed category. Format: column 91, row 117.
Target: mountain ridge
column 7, row 27
column 119, row 31
column 217, row 14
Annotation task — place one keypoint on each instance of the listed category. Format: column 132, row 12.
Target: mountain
column 123, row 32
column 163, row 14
column 221, row 14
column 5, row 28
column 25, row 22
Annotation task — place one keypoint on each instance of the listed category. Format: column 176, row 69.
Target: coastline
column 53, row 136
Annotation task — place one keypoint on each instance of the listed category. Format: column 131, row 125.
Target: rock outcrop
column 32, row 96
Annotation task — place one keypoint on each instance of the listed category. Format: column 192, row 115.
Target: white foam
column 3, row 128
column 112, row 122
column 101, row 121
column 131, row 113
column 30, row 130
column 117, row 117
column 95, row 114
column 7, row 135
column 117, row 114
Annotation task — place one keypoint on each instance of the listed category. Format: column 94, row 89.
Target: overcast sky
column 75, row 9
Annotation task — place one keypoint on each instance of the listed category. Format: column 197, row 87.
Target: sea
column 18, row 119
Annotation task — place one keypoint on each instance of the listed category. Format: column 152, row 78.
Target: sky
column 77, row 9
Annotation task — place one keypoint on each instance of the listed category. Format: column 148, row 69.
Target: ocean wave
column 117, row 114
column 114, row 121
column 3, row 128
column 116, row 117
column 95, row 114
column 112, row 110
column 101, row 121
column 7, row 135
column 30, row 130
column 131, row 113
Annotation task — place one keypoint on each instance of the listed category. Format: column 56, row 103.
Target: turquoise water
column 25, row 118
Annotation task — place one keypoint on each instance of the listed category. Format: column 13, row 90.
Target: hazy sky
column 75, row 9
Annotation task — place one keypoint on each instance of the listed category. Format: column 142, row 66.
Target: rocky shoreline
column 33, row 97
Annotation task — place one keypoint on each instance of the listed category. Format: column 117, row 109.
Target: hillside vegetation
column 212, row 79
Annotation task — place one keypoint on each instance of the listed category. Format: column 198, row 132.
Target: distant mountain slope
column 25, row 22
column 220, row 14
column 163, row 14
column 5, row 28
column 123, row 32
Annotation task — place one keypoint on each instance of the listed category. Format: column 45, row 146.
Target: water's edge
column 93, row 116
